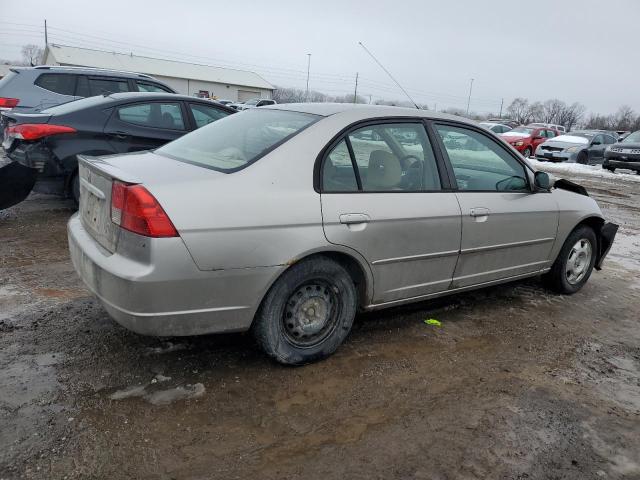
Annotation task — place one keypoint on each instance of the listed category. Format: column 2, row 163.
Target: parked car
column 28, row 88
column 46, row 143
column 622, row 134
column 285, row 221
column 504, row 121
column 558, row 128
column 496, row 128
column 624, row 154
column 585, row 146
column 526, row 139
column 253, row 103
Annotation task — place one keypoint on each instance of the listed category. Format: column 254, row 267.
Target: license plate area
column 95, row 208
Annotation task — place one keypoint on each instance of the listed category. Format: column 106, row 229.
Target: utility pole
column 469, row 100
column 306, row 95
column 46, row 39
column 355, row 92
column 501, row 104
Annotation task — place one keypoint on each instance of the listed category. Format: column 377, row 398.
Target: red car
column 527, row 139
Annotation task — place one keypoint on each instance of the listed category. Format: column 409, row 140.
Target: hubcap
column 310, row 313
column 578, row 261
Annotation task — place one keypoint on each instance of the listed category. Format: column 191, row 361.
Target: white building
column 186, row 78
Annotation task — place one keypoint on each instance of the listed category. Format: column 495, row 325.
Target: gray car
column 585, row 147
column 287, row 220
column 29, row 88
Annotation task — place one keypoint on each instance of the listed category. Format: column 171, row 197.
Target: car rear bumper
column 607, row 235
column 165, row 294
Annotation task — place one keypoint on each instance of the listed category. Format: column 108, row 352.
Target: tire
column 527, row 152
column 287, row 326
column 583, row 158
column 74, row 188
column 566, row 276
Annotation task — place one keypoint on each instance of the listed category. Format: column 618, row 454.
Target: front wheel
column 527, row 152
column 575, row 262
column 74, row 187
column 307, row 313
column 583, row 158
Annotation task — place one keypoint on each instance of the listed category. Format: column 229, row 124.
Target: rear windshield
column 7, row 78
column 72, row 106
column 235, row 141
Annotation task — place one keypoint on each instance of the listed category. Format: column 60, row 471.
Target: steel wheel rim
column 578, row 261
column 311, row 313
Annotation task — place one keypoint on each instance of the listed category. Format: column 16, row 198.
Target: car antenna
column 390, row 76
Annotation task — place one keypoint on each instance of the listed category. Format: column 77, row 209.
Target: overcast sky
column 574, row 50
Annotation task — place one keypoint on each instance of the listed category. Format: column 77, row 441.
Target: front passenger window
column 479, row 162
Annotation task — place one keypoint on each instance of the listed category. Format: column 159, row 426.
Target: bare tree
column 551, row 110
column 571, row 115
column 519, row 110
column 625, row 118
column 32, row 54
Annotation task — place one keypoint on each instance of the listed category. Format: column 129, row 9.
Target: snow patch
column 585, row 170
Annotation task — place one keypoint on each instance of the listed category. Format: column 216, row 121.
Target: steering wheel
column 404, row 161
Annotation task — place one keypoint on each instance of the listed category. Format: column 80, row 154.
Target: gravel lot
column 516, row 383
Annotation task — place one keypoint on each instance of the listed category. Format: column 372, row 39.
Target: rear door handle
column 352, row 218
column 120, row 135
column 479, row 212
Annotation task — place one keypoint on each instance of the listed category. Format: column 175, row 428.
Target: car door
column 145, row 125
column 384, row 195
column 537, row 137
column 507, row 230
column 596, row 149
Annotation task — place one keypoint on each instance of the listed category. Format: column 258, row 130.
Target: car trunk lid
column 160, row 175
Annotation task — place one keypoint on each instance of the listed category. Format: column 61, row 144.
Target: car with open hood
column 625, row 154
column 582, row 146
column 287, row 220
column 526, row 139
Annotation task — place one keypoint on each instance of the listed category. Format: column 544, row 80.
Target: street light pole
column 306, row 95
column 469, row 100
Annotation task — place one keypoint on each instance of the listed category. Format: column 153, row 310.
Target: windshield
column 235, row 141
column 633, row 137
column 522, row 131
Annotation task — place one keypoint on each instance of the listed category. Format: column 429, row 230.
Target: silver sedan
column 289, row 219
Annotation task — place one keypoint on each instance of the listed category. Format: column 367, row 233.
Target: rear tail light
column 8, row 102
column 34, row 131
column 135, row 209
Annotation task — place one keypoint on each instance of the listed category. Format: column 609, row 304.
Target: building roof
column 66, row 55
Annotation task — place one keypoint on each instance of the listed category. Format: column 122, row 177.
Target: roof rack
column 98, row 69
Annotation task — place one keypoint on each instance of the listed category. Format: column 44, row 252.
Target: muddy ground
column 516, row 383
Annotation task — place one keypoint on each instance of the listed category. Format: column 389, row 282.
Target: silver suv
column 46, row 86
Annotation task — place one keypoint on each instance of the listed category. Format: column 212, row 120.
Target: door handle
column 479, row 212
column 353, row 218
column 120, row 135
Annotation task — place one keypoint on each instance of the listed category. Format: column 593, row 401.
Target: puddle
column 160, row 397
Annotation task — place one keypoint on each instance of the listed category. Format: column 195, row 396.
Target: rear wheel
column 575, row 262
column 583, row 158
column 527, row 152
column 307, row 313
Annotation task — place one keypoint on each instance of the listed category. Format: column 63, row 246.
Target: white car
column 496, row 128
column 253, row 103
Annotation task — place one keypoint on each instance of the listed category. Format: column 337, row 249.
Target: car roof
column 86, row 70
column 363, row 112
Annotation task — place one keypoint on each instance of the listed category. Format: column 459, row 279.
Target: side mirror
column 541, row 181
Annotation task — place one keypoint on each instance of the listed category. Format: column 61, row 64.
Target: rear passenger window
column 150, row 87
column 155, row 115
column 102, row 86
column 61, row 83
column 479, row 163
column 337, row 172
column 388, row 158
